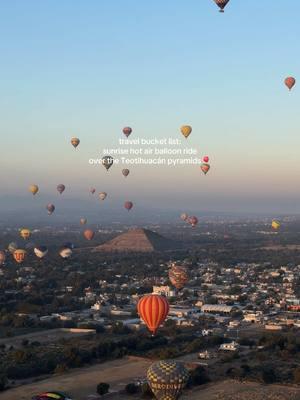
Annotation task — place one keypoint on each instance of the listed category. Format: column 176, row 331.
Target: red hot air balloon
column 89, row 234
column 19, row 255
column 153, row 309
column 60, row 188
column 205, row 168
column 221, row 4
column 205, row 159
column 290, row 82
column 50, row 208
column 2, row 257
column 127, row 131
column 92, row 190
column 178, row 276
column 193, row 221
column 128, row 205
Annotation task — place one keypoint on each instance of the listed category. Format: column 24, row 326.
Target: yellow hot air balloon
column 25, row 233
column 186, row 130
column 275, row 224
column 33, row 189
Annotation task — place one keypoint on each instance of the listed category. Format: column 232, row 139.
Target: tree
column 102, row 388
column 296, row 374
column 131, row 388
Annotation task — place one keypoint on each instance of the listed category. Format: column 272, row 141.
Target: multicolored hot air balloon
column 83, row 221
column 40, row 251
column 107, row 162
column 25, row 233
column 61, row 188
column 186, row 130
column 290, row 82
column 102, row 196
column 53, row 395
column 153, row 309
column 127, row 131
column 221, row 4
column 205, row 159
column 184, row 216
column 178, row 276
column 128, row 205
column 92, row 190
column 167, row 379
column 12, row 247
column 2, row 257
column 75, row 142
column 193, row 221
column 275, row 224
column 50, row 207
column 33, row 189
column 89, row 234
column 65, row 252
column 125, row 172
column 205, row 168
column 19, row 255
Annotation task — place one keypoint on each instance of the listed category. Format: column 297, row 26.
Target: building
column 216, row 309
column 233, row 346
column 164, row 291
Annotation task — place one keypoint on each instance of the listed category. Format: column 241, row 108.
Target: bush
column 131, row 388
column 146, row 390
column 102, row 388
column 198, row 377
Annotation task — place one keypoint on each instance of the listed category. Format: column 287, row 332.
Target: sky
column 89, row 68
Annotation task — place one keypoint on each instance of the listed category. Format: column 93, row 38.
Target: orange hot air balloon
column 178, row 276
column 33, row 189
column 290, row 82
column 221, row 4
column 89, row 234
column 19, row 255
column 186, row 130
column 205, row 168
column 2, row 257
column 153, row 309
column 25, row 233
column 75, row 142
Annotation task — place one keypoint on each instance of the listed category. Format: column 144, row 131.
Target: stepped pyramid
column 138, row 240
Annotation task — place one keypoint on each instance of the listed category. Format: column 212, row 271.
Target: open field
column 81, row 384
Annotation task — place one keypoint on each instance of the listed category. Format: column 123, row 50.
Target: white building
column 164, row 291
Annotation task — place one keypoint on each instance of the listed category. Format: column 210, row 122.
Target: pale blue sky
column 88, row 68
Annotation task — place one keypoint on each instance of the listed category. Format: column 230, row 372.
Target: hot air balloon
column 25, row 233
column 290, row 82
column 50, row 207
column 65, row 252
column 205, row 168
column 167, row 379
column 193, row 221
column 184, row 216
column 102, row 196
column 221, row 4
column 19, row 255
column 12, row 247
column 275, row 224
column 52, row 395
column 92, row 190
column 60, row 188
column 178, row 276
column 128, row 205
column 153, row 309
column 205, row 159
column 127, row 131
column 33, row 189
column 75, row 142
column 107, row 162
column 83, row 221
column 2, row 257
column 125, row 172
column 186, row 130
column 40, row 251
column 89, row 234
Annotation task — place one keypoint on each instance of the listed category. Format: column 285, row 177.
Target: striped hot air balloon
column 186, row 130
column 19, row 255
column 153, row 309
column 178, row 276
column 221, row 4
column 290, row 82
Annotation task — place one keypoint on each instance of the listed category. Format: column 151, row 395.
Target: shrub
column 102, row 388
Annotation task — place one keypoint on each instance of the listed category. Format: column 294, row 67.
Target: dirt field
column 81, row 385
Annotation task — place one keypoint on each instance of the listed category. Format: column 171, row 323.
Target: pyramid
column 138, row 240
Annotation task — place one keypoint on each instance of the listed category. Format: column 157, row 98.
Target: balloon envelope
column 75, row 142
column 19, row 255
column 127, row 131
column 107, row 162
column 205, row 168
column 83, row 221
column 65, row 252
column 125, row 172
column 102, row 196
column 167, row 379
column 275, row 224
column 186, row 130
column 178, row 276
column 184, row 216
column 52, row 396
column 89, row 234
column 50, row 208
column 12, row 247
column 2, row 257
column 128, row 205
column 221, row 4
column 25, row 233
column 205, row 159
column 290, row 82
column 153, row 309
column 61, row 188
column 40, row 251
column 193, row 221
column 92, row 190
column 33, row 189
